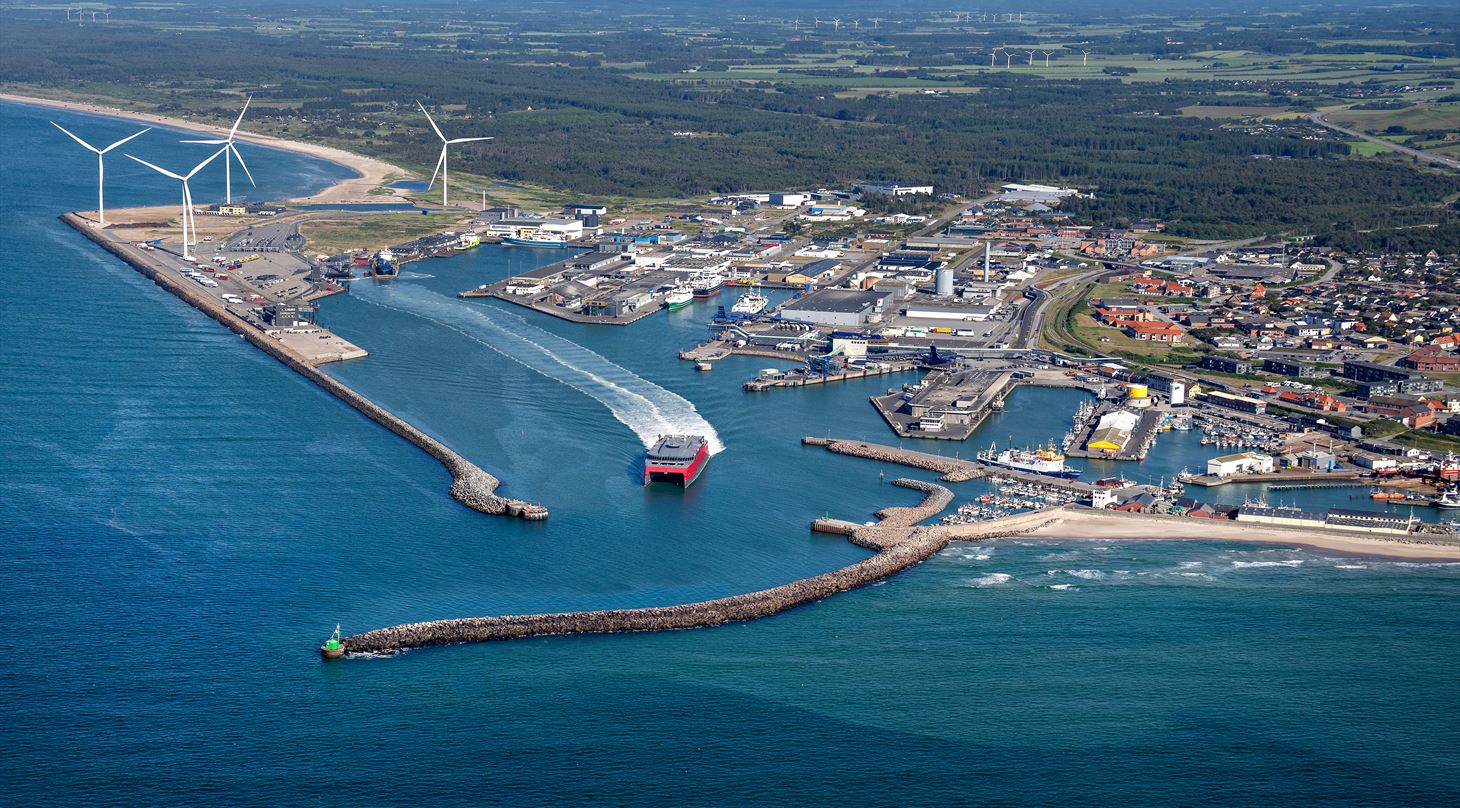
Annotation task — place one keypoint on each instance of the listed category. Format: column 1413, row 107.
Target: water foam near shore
column 646, row 408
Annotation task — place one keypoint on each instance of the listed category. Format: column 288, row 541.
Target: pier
column 801, row 377
column 470, row 485
column 896, row 541
column 948, row 405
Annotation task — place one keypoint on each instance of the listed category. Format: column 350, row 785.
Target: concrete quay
column 896, row 542
column 793, row 378
column 471, row 486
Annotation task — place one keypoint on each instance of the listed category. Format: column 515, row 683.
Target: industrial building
column 838, row 307
column 1241, row 463
column 892, row 189
column 1112, row 432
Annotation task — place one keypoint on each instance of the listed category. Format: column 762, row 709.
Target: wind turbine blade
column 469, row 139
column 432, row 122
column 242, row 165
column 124, row 140
column 234, row 130
column 75, row 138
column 158, row 169
column 439, row 161
column 210, row 142
column 199, row 166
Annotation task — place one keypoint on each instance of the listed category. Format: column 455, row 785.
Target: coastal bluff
column 471, row 485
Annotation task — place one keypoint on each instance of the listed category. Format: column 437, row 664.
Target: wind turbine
column 441, row 163
column 836, row 23
column 229, row 145
column 993, row 55
column 1031, row 57
column 1046, row 57
column 1085, row 61
column 1008, row 59
column 189, row 231
column 100, row 167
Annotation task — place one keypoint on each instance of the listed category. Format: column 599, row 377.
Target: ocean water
column 184, row 520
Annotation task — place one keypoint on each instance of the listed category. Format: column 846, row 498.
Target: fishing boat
column 468, row 240
column 1449, row 499
column 384, row 265
column 705, row 287
column 750, row 303
column 678, row 298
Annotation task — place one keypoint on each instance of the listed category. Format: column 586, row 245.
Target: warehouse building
column 1241, row 463
column 839, row 307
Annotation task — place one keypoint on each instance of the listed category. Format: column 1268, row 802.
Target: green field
column 1365, row 148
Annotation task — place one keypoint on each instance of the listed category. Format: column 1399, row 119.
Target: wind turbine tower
column 441, row 163
column 100, row 168
column 1085, row 59
column 1031, row 58
column 189, row 230
column 1046, row 57
column 229, row 145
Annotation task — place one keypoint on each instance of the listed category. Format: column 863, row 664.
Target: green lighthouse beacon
column 333, row 648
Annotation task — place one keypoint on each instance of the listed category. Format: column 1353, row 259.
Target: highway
column 1321, row 118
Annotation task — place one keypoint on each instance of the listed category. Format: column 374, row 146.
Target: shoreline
column 1086, row 524
column 372, row 172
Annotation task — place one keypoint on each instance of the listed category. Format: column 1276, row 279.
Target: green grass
column 1364, row 148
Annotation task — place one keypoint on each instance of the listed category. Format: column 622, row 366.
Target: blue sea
column 184, row 521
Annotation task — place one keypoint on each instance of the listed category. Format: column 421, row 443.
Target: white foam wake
column 644, row 407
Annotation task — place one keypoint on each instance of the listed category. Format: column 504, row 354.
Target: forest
column 575, row 125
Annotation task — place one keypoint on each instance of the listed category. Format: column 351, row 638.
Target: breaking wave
column 992, row 579
column 644, row 407
column 1297, row 562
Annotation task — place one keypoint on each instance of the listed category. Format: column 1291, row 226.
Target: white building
column 1241, row 463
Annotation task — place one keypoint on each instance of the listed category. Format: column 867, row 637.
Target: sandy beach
column 1107, row 525
column 373, row 173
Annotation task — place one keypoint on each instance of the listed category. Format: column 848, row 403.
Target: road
column 1321, row 118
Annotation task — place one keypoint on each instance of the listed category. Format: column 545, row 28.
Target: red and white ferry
column 677, row 459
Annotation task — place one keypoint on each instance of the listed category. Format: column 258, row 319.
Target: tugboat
column 677, row 459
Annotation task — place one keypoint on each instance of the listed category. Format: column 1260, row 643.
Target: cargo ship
column 677, row 459
column 534, row 241
column 1047, row 461
column 384, row 265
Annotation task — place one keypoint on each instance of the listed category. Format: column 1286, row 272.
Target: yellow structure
column 1138, row 395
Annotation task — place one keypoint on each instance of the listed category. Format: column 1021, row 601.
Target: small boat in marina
column 750, row 303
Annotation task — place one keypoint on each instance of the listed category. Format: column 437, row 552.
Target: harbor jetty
column 897, row 541
column 954, row 470
column 470, row 485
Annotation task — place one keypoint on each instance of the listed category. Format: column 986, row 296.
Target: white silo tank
column 945, row 282
column 1178, row 394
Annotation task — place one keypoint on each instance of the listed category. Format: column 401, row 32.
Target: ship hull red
column 682, row 476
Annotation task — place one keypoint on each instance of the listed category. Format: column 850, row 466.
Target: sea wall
column 898, row 546
column 952, row 469
column 471, row 486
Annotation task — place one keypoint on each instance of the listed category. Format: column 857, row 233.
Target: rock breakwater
column 953, row 469
column 470, row 485
column 898, row 545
